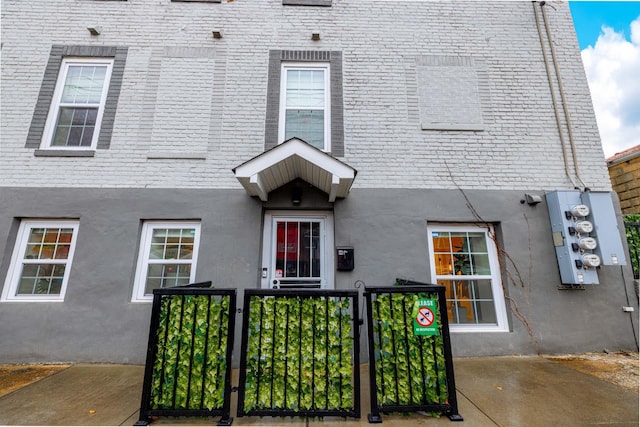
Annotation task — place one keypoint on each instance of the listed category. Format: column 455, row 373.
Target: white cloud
column 613, row 72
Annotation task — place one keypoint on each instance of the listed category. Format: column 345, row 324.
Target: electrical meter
column 587, row 243
column 584, row 226
column 591, row 260
column 580, row 211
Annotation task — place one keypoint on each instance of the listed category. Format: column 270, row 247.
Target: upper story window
column 168, row 256
column 78, row 99
column 305, row 104
column 304, row 99
column 78, row 103
column 464, row 259
column 41, row 261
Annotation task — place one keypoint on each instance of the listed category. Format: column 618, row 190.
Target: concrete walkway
column 492, row 391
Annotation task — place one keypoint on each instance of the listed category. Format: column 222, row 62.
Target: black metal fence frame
column 194, row 289
column 303, row 294
column 450, row 409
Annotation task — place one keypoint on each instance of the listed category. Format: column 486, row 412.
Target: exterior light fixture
column 95, row 30
column 315, row 37
column 531, row 199
column 216, row 34
column 296, row 195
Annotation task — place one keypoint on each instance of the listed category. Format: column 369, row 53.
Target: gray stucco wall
column 387, row 228
column 98, row 323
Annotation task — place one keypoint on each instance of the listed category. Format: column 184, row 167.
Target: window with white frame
column 41, row 261
column 167, row 257
column 464, row 259
column 78, row 103
column 305, row 104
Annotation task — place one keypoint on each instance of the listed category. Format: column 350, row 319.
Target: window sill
column 306, row 2
column 196, row 1
column 64, row 153
column 460, row 329
column 27, row 299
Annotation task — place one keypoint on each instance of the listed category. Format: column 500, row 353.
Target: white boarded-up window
column 448, row 93
column 182, row 116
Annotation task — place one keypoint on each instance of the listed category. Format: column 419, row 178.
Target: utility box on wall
column 585, row 234
column 606, row 230
column 345, row 259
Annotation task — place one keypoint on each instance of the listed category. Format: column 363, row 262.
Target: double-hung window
column 167, row 257
column 78, row 104
column 464, row 259
column 305, row 104
column 41, row 261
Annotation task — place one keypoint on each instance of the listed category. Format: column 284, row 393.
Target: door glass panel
column 297, row 252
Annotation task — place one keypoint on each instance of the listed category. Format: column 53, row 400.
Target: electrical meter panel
column 585, row 234
column 606, row 232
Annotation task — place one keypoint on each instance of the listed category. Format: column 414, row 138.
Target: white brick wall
column 519, row 147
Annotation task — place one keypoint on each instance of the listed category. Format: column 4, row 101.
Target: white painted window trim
column 15, row 267
column 496, row 280
column 52, row 117
column 145, row 248
column 327, row 231
column 321, row 66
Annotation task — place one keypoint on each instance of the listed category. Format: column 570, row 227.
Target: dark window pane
column 79, row 117
column 152, row 283
column 60, row 137
column 75, row 137
column 486, row 312
column 26, row 286
column 87, row 136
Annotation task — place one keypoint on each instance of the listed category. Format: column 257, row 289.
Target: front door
column 297, row 250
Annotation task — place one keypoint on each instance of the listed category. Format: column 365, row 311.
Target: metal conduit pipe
column 562, row 94
column 553, row 99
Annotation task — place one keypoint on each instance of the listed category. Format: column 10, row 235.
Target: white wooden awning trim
column 291, row 160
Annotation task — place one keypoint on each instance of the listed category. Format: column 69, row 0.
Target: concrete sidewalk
column 492, row 391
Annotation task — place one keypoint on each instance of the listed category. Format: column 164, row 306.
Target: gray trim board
column 58, row 52
column 64, row 153
column 306, row 2
column 196, row 1
column 276, row 58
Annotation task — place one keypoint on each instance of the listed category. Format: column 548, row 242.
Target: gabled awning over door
column 293, row 159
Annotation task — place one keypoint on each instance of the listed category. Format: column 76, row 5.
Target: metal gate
column 410, row 361
column 300, row 353
column 188, row 367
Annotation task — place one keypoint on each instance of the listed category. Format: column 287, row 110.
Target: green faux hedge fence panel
column 299, row 355
column 410, row 369
column 632, row 230
column 190, row 363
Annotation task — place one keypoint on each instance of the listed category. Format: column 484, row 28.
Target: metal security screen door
column 297, row 251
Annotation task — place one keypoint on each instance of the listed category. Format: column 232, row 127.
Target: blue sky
column 590, row 16
column 609, row 37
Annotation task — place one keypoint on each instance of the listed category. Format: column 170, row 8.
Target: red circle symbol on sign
column 425, row 316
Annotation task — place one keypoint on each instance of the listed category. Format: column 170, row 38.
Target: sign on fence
column 410, row 361
column 425, row 317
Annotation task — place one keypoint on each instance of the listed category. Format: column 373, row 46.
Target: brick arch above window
column 56, row 56
column 334, row 59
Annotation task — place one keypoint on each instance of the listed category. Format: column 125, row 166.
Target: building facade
column 294, row 143
column 624, row 170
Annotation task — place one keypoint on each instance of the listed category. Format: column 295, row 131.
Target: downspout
column 562, row 93
column 553, row 99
